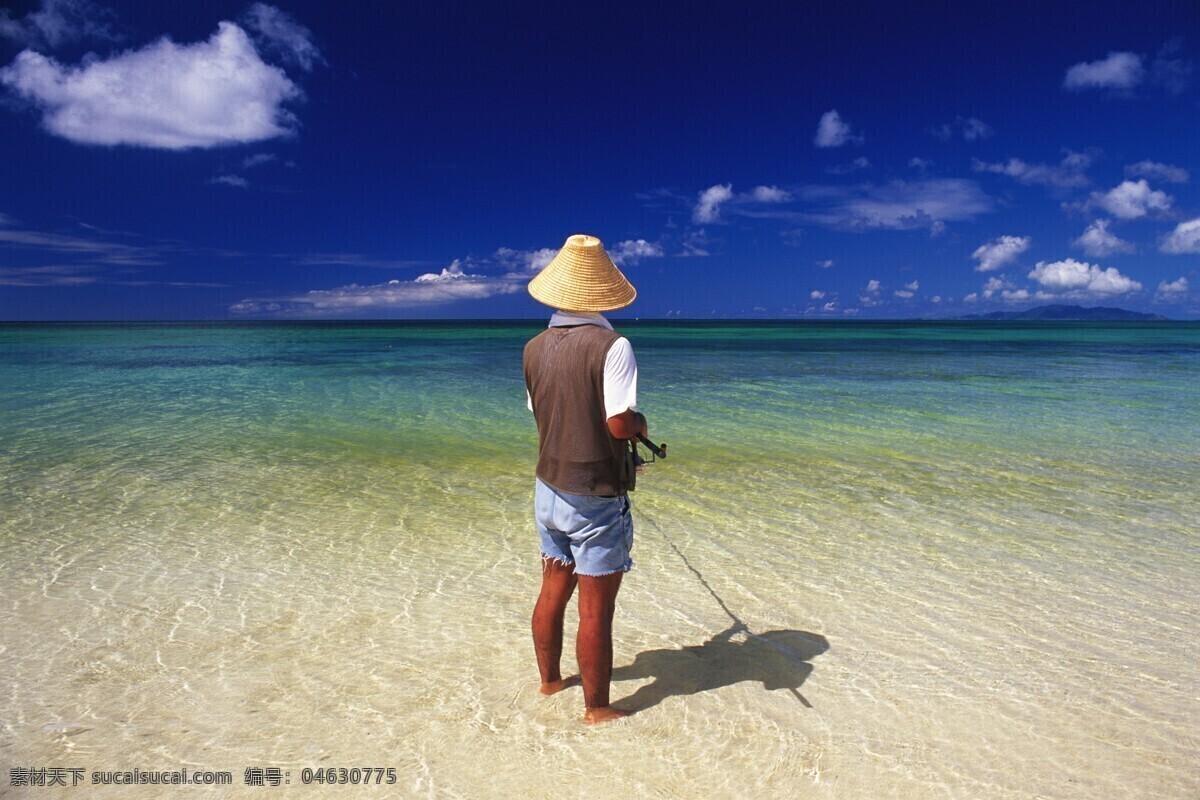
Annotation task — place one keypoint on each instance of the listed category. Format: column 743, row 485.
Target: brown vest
column 564, row 373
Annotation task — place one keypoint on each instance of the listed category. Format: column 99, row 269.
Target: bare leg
column 593, row 646
column 558, row 584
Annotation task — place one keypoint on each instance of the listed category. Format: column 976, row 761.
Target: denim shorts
column 595, row 534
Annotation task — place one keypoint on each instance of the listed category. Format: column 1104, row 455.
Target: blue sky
column 214, row 160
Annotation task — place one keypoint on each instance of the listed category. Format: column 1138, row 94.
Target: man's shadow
column 776, row 659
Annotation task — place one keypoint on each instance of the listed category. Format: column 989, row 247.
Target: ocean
column 883, row 559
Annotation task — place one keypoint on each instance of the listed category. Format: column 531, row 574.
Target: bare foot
column 603, row 714
column 554, row 687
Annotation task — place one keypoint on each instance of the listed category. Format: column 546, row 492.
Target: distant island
column 1061, row 312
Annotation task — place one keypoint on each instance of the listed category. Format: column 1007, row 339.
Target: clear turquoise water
column 228, row 545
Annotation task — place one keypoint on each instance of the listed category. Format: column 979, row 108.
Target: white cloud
column 450, row 285
column 59, row 22
column 862, row 162
column 1071, row 278
column 1184, row 239
column 713, row 203
column 817, row 294
column 1076, row 161
column 526, row 260
column 826, row 264
column 912, row 286
column 95, row 255
column 792, row 237
column 1175, row 287
column 695, row 243
column 903, row 293
column 1155, row 171
column 1132, row 200
column 973, row 297
column 1015, row 295
column 48, row 275
column 830, row 306
column 1067, row 175
column 451, row 273
column 1097, row 241
column 257, row 160
column 166, row 95
column 505, row 271
column 919, row 163
column 994, row 285
column 833, row 131
column 230, row 180
column 770, row 194
column 708, row 207
column 631, row 250
column 540, row 258
column 279, row 34
column 354, row 260
column 1121, row 71
column 99, row 250
column 995, row 254
column 899, row 205
column 973, row 128
column 869, row 296
column 1173, row 74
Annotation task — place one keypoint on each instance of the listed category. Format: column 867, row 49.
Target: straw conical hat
column 582, row 278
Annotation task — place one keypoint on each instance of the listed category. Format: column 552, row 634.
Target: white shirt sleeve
column 620, row 378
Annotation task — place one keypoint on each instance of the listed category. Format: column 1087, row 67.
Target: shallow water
column 883, row 560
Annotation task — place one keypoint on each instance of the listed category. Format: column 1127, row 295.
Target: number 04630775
column 350, row 775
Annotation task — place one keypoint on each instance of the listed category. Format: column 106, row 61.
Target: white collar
column 563, row 318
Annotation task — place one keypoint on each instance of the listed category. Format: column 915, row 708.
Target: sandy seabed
column 799, row 652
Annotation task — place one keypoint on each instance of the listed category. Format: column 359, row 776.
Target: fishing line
column 739, row 625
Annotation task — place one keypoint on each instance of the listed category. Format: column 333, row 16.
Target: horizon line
column 542, row 320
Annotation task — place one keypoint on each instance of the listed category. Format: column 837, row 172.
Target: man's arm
column 620, row 392
column 628, row 424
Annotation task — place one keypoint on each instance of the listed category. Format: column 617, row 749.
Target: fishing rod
column 659, row 450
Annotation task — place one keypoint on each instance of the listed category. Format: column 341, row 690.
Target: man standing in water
column 582, row 382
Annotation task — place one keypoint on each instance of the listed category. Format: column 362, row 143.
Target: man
column 582, row 383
